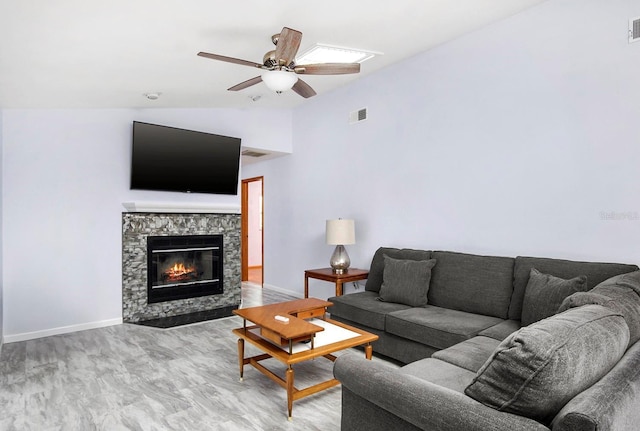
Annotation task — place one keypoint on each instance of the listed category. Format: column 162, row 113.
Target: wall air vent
column 357, row 116
column 252, row 153
column 634, row 29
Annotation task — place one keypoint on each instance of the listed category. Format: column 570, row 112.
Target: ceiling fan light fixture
column 279, row 80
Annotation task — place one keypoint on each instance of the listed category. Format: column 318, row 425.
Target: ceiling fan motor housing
column 269, row 59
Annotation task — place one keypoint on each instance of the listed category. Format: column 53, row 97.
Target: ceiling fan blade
column 245, row 84
column 287, row 46
column 303, row 89
column 328, row 68
column 229, row 59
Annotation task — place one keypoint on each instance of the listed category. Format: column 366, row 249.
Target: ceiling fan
column 280, row 70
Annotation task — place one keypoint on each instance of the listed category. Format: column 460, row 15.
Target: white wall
column 65, row 177
column 510, row 141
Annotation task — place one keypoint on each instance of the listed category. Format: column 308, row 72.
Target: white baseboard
column 103, row 323
column 61, row 330
column 281, row 290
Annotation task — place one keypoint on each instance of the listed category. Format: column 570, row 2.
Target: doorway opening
column 253, row 230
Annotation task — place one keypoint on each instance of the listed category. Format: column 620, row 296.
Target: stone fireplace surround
column 136, row 227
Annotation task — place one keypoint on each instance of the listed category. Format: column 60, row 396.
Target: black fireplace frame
column 171, row 293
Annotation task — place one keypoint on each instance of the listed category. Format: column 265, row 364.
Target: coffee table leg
column 368, row 351
column 241, row 357
column 289, row 376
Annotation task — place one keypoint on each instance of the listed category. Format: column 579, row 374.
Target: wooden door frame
column 244, row 229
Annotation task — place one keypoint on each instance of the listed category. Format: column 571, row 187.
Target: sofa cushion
column 364, row 308
column 440, row 373
column 472, row 283
column 630, row 280
column 620, row 293
column 436, row 326
column 538, row 369
column 611, row 404
column 545, row 293
column 596, row 273
column 406, row 281
column 376, row 271
column 502, row 330
column 470, row 355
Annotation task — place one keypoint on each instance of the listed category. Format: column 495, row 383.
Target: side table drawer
column 318, row 312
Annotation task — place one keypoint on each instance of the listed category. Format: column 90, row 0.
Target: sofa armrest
column 423, row 404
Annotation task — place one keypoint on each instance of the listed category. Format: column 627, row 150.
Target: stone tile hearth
column 136, row 227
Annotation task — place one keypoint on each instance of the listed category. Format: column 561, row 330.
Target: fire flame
column 179, row 271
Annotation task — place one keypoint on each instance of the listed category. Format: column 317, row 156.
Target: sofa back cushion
column 472, row 283
column 535, row 371
column 595, row 272
column 376, row 271
column 620, row 293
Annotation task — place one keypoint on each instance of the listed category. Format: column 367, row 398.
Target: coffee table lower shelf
column 249, row 334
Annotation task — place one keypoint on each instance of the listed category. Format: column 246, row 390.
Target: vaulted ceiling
column 107, row 54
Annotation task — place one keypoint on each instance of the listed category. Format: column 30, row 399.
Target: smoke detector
column 152, row 96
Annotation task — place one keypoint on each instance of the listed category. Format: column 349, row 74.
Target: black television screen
column 171, row 159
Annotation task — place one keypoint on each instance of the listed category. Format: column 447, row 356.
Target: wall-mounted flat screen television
column 177, row 160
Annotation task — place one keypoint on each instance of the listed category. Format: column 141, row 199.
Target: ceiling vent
column 634, row 29
column 357, row 116
column 251, row 153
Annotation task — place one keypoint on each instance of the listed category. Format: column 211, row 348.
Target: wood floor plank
column 137, row 377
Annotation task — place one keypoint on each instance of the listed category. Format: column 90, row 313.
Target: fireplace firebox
column 181, row 267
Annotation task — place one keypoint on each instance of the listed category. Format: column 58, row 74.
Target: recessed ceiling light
column 322, row 53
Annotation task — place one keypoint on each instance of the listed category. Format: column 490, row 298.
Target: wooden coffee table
column 296, row 341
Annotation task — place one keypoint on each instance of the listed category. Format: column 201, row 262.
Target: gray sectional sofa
column 493, row 343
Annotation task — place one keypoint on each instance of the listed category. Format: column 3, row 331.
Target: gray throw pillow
column 374, row 280
column 536, row 370
column 544, row 294
column 406, row 281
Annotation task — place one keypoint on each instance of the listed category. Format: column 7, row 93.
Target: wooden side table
column 326, row 274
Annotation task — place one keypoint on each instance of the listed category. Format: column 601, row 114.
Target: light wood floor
column 255, row 274
column 131, row 377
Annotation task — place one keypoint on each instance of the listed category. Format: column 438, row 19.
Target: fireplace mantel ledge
column 179, row 207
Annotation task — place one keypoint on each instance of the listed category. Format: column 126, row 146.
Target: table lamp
column 340, row 232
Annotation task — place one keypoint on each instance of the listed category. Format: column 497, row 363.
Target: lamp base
column 340, row 260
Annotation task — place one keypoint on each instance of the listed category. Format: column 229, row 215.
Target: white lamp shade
column 279, row 80
column 341, row 232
